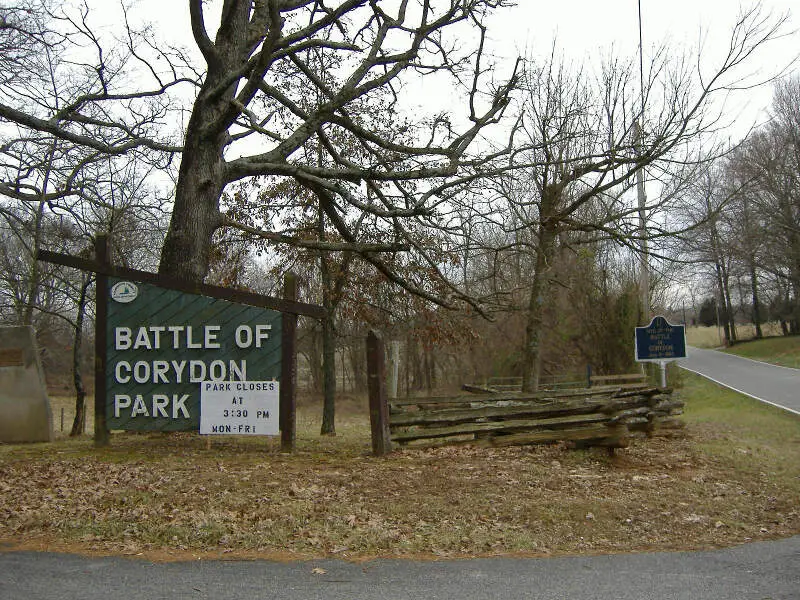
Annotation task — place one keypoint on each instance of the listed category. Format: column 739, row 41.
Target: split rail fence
column 602, row 418
column 606, row 416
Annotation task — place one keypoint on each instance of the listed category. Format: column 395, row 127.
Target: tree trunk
column 79, row 422
column 328, row 336
column 416, row 355
column 34, row 282
column 537, row 301
column 756, row 301
column 315, row 358
column 730, row 317
column 722, row 282
column 795, row 286
column 721, row 305
column 409, row 352
column 32, row 293
column 195, row 216
column 430, row 368
column 203, row 175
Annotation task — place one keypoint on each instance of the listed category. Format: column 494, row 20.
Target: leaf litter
column 170, row 497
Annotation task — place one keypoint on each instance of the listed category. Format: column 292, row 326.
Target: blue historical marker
column 660, row 341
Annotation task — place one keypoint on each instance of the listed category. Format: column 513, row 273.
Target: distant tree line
column 743, row 239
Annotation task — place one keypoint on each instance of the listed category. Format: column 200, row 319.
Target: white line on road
column 760, row 362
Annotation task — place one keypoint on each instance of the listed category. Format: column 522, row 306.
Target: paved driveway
column 768, row 383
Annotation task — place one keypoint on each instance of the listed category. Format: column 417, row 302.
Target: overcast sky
column 582, row 28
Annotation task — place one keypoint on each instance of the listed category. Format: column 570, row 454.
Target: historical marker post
column 660, row 342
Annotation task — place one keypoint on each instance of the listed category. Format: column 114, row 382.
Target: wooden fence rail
column 494, row 385
column 514, row 384
column 627, row 380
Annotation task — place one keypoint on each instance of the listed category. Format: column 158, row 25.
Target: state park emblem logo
column 124, row 292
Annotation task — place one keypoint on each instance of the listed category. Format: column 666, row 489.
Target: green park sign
column 163, row 345
column 177, row 355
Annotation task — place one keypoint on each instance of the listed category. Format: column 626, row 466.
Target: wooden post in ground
column 101, row 436
column 288, row 396
column 393, row 374
column 378, row 402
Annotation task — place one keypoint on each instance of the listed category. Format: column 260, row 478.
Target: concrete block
column 25, row 413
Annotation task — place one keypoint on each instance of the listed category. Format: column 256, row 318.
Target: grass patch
column 783, row 350
column 712, row 337
column 731, row 477
column 703, row 337
column 735, row 426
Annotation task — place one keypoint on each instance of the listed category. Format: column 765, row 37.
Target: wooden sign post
column 378, row 401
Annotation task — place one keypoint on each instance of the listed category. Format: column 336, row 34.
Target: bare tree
column 57, row 193
column 588, row 137
column 748, row 227
column 708, row 220
column 770, row 158
column 248, row 96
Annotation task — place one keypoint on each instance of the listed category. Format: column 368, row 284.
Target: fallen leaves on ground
column 156, row 494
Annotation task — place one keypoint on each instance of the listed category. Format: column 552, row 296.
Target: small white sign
column 239, row 407
column 124, row 292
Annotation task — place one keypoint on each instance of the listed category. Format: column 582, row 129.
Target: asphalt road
column 756, row 571
column 768, row 383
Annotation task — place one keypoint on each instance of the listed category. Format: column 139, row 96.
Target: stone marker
column 25, row 414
